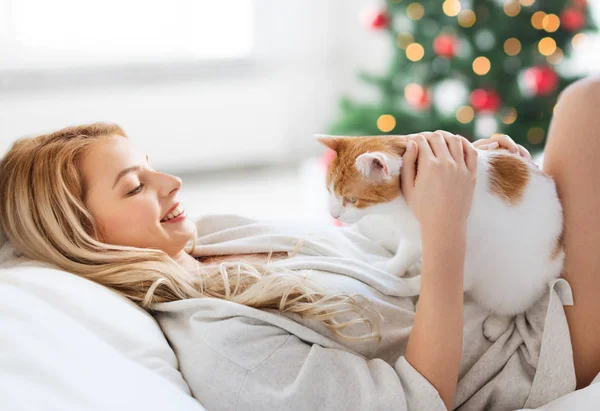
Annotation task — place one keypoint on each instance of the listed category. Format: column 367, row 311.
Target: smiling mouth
column 177, row 212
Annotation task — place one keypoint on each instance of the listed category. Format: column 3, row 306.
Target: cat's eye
column 352, row 200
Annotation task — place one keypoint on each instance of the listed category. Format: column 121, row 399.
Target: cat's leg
column 406, row 255
column 495, row 325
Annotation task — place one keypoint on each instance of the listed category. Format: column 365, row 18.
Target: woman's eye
column 136, row 190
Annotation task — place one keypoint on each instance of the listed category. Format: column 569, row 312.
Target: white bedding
column 69, row 344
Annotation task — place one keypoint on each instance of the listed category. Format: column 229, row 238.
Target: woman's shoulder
column 582, row 91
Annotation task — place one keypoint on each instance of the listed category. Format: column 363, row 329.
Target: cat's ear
column 333, row 142
column 378, row 166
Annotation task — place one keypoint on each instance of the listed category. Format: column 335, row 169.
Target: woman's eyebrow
column 126, row 171
column 129, row 170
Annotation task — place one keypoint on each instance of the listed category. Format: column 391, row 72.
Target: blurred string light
column 451, row 7
column 415, row 52
column 481, row 65
column 467, row 18
column 510, row 116
column 512, row 46
column 547, row 46
column 512, row 8
column 556, row 57
column 551, row 23
column 535, row 135
column 578, row 40
column 537, row 20
column 465, row 114
column 386, row 122
column 403, row 40
column 527, row 3
column 415, row 11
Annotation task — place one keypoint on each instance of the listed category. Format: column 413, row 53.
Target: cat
column 514, row 229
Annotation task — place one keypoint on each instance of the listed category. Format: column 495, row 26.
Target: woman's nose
column 170, row 185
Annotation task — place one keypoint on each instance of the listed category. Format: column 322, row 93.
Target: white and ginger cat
column 514, row 229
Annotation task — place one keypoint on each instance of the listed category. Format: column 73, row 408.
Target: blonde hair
column 42, row 212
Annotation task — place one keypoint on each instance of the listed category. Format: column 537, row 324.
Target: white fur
column 508, row 252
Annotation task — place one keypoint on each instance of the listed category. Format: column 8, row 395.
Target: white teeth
column 174, row 213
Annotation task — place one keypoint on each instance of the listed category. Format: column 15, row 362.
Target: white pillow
column 67, row 343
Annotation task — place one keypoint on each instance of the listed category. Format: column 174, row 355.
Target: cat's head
column 363, row 177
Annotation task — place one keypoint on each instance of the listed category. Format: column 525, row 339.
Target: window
column 73, row 33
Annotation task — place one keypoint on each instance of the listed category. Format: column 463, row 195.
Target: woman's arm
column 571, row 158
column 440, row 196
column 435, row 343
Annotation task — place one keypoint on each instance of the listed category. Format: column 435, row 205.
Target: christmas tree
column 473, row 68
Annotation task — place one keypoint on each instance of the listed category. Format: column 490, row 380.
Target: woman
column 85, row 200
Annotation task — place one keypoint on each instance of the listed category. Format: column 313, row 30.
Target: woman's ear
column 377, row 166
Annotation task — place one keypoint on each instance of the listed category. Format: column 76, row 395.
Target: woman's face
column 129, row 200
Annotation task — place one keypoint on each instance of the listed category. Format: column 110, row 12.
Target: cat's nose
column 335, row 215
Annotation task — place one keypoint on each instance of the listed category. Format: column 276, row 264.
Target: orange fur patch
column 347, row 181
column 508, row 177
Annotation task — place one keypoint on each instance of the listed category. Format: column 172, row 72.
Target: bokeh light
column 415, row 52
column 403, row 40
column 578, row 40
column 467, row 18
column 465, row 114
column 512, row 8
column 415, row 11
column 527, row 3
column 451, row 7
column 481, row 65
column 537, row 20
column 547, row 46
column 386, row 123
column 556, row 57
column 510, row 116
column 551, row 23
column 512, row 46
column 535, row 135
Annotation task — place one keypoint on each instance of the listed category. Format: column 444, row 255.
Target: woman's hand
column 502, row 141
column 441, row 191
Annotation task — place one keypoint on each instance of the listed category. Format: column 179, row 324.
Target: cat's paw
column 496, row 325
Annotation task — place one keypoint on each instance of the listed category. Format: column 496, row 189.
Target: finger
column 482, row 142
column 507, row 142
column 408, row 170
column 523, row 151
column 423, row 147
column 438, row 145
column 490, row 146
column 456, row 149
column 470, row 155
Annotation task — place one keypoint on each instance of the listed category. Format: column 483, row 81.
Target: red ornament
column 445, row 45
column 580, row 3
column 540, row 80
column 418, row 97
column 572, row 19
column 485, row 100
column 375, row 19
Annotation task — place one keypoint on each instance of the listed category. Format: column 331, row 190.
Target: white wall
column 264, row 109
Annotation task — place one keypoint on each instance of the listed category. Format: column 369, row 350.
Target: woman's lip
column 180, row 217
column 177, row 204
